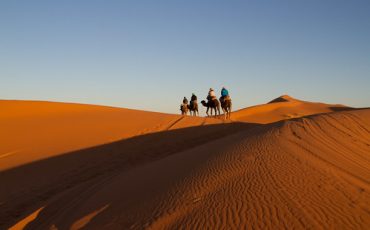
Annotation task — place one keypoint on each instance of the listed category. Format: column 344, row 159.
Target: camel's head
column 204, row 103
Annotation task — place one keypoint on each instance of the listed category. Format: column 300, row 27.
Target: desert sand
column 34, row 130
column 282, row 108
column 285, row 164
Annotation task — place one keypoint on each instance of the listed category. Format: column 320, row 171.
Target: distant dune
column 282, row 108
column 124, row 169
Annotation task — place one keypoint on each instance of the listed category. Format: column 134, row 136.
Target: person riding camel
column 211, row 95
column 184, row 106
column 185, row 101
column 193, row 99
column 224, row 95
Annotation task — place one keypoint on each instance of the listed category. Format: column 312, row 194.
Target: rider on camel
column 211, row 95
column 193, row 97
column 225, row 94
column 184, row 105
column 185, row 101
column 193, row 100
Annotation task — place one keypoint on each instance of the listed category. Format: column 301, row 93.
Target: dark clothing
column 193, row 98
column 185, row 101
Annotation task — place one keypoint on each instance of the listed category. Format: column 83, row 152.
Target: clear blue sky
column 149, row 54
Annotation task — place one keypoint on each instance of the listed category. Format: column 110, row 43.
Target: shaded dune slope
column 34, row 184
column 305, row 173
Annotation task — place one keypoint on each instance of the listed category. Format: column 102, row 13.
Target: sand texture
column 70, row 166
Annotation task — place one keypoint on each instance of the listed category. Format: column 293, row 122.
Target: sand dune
column 283, row 108
column 309, row 172
column 34, row 130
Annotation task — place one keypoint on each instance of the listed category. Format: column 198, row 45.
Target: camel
column 184, row 109
column 226, row 107
column 193, row 107
column 213, row 104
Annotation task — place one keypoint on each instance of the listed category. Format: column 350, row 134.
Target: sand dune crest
column 308, row 172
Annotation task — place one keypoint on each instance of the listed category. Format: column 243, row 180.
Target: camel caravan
column 212, row 104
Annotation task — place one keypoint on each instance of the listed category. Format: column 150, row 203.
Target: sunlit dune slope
column 311, row 172
column 33, row 130
column 308, row 173
column 282, row 108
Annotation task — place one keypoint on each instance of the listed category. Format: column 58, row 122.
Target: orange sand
column 309, row 172
column 32, row 130
column 282, row 108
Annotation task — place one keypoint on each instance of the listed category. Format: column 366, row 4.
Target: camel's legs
column 230, row 111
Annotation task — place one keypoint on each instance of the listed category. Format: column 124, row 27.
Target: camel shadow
column 54, row 183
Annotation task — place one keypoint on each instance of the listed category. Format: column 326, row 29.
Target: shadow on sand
column 340, row 108
column 27, row 188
